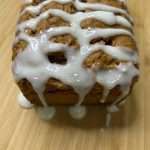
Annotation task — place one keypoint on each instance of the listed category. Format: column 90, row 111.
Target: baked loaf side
column 75, row 52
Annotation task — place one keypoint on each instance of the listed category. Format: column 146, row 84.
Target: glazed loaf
column 75, row 52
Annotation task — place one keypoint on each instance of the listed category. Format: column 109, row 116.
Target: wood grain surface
column 23, row 130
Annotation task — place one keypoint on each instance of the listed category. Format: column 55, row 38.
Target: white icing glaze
column 108, row 120
column 79, row 5
column 105, row 94
column 122, row 102
column 122, row 75
column 107, row 17
column 34, row 65
column 110, row 109
column 77, row 112
column 46, row 113
column 23, row 102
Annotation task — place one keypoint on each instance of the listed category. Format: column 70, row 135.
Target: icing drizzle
column 23, row 102
column 33, row 64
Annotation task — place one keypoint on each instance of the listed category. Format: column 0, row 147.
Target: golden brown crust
column 36, row 2
column 51, row 21
column 18, row 47
column 94, row 23
column 57, row 5
column 68, row 7
column 28, row 91
column 113, row 3
column 26, row 16
column 57, row 93
column 118, row 41
column 66, row 39
column 100, row 60
column 124, row 41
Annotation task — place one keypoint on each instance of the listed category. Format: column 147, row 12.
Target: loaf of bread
column 70, row 52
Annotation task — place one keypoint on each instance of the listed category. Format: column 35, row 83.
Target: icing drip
column 77, row 112
column 105, row 94
column 46, row 113
column 110, row 109
column 23, row 102
column 34, row 65
column 108, row 120
column 122, row 75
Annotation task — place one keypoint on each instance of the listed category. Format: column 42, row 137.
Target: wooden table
column 22, row 129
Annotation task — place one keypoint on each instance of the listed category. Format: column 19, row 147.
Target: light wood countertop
column 22, row 129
